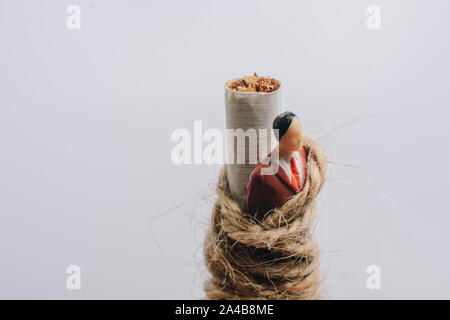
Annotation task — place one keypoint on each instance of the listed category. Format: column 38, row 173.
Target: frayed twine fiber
column 275, row 258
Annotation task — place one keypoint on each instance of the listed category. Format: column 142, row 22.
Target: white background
column 86, row 117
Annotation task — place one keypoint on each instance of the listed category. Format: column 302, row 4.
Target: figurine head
column 289, row 132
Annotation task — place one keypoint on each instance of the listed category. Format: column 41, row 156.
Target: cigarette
column 250, row 103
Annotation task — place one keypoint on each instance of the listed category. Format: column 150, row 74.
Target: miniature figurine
column 269, row 191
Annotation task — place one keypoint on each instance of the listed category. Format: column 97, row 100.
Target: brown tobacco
column 254, row 83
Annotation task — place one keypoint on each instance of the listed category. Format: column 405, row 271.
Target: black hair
column 282, row 123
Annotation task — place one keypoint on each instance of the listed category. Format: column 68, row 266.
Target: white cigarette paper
column 248, row 110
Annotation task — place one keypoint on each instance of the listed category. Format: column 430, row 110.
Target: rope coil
column 275, row 258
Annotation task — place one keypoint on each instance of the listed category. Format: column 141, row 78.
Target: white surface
column 86, row 118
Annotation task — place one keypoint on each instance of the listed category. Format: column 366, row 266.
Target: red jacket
column 267, row 192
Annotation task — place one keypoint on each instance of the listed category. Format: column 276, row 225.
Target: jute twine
column 275, row 258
